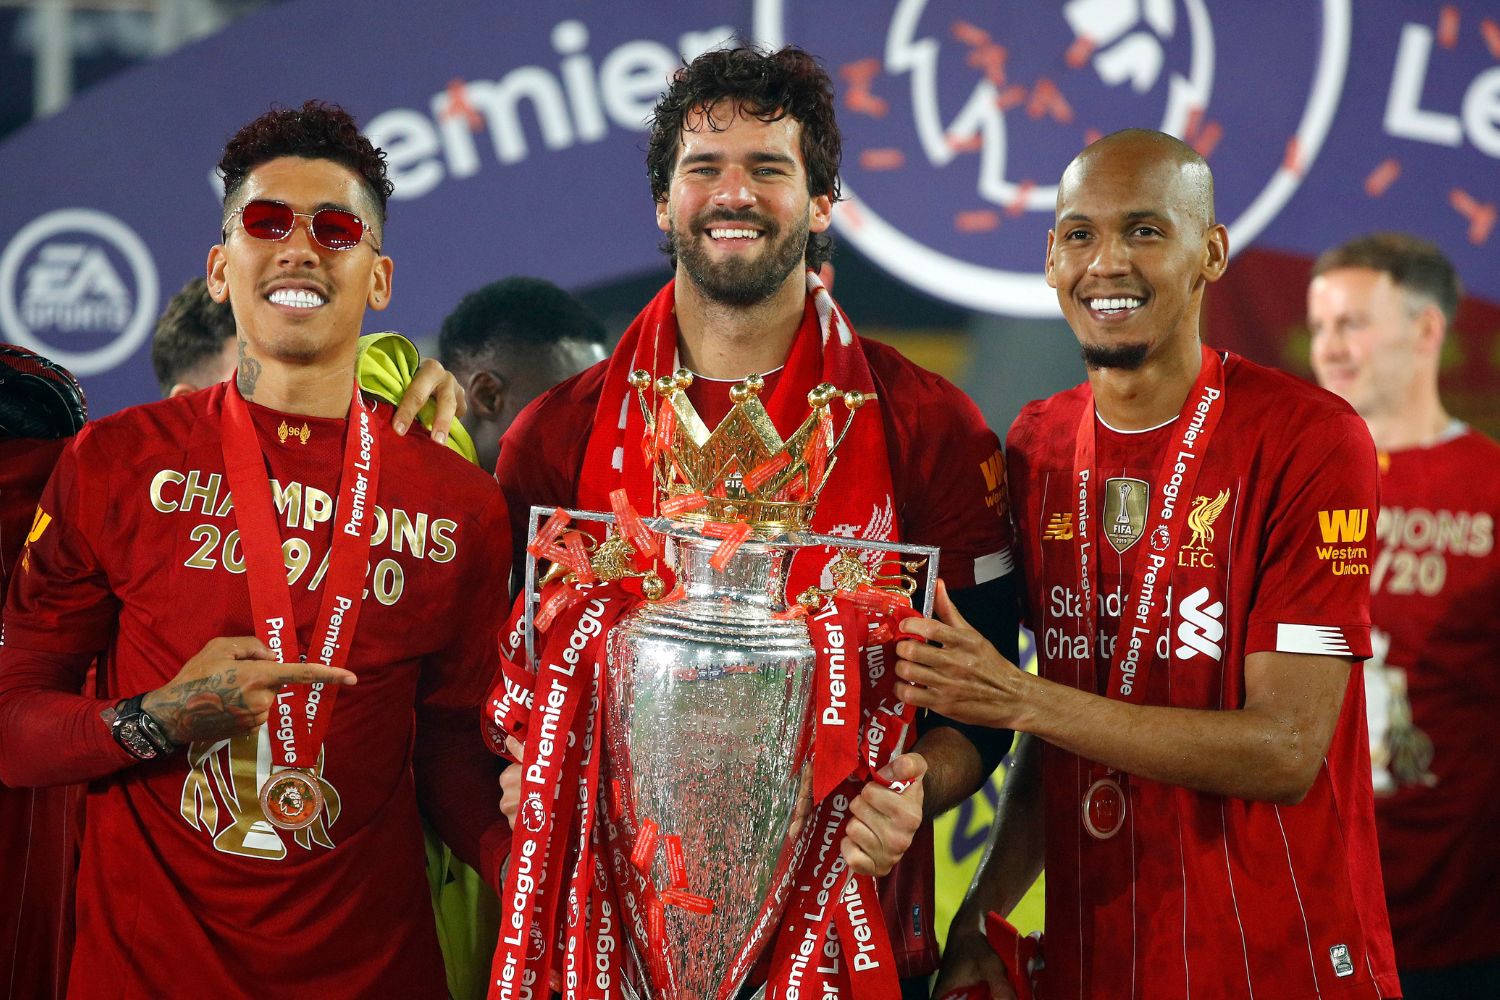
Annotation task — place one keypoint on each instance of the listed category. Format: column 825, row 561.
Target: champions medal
column 291, row 799
column 1104, row 808
column 1105, row 803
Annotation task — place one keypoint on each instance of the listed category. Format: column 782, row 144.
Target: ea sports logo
column 79, row 287
column 958, row 117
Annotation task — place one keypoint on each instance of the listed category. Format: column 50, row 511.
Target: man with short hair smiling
column 1194, row 773
column 259, row 565
column 1379, row 308
column 743, row 162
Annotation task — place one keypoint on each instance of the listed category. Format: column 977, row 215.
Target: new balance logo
column 1343, row 525
column 1201, row 627
column 1059, row 528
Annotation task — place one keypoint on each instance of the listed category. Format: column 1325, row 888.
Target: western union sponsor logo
column 1343, row 525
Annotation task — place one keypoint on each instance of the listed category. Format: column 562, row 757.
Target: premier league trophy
column 708, row 697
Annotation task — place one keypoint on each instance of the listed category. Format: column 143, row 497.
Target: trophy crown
column 742, row 470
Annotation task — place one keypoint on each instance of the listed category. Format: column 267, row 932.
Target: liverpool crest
column 1125, row 511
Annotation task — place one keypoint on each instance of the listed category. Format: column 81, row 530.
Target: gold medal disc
column 291, row 800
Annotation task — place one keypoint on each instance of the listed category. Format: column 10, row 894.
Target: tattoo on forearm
column 203, row 708
column 249, row 373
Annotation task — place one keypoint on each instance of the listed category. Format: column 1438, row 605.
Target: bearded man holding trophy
column 710, row 772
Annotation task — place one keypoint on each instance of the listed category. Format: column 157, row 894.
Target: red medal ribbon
column 1147, row 597
column 299, row 720
column 1105, row 799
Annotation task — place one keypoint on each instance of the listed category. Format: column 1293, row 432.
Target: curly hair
column 315, row 131
column 1413, row 263
column 769, row 86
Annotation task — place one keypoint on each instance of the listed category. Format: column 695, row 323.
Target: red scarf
column 858, row 501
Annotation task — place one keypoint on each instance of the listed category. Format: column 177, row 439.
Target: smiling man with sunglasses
column 255, row 568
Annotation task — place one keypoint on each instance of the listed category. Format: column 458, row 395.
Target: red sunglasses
column 332, row 228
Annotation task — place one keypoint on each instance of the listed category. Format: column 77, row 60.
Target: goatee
column 1128, row 357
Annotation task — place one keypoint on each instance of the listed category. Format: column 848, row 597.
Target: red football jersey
column 1436, row 612
column 39, row 827
column 948, row 479
column 184, row 889
column 1200, row 895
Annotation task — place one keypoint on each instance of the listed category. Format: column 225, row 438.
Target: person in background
column 508, row 343
column 194, row 345
column 1379, row 309
column 41, row 407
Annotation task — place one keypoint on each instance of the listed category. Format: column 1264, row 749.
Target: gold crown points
column 742, row 471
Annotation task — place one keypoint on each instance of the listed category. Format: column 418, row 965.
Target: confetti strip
column 728, row 547
column 549, row 532
column 970, row 34
column 965, row 144
column 553, row 606
column 1091, row 136
column 1078, row 53
column 676, row 861
column 1481, row 215
column 1447, row 33
column 766, row 471
column 978, row 221
column 459, row 106
column 1382, row 177
column 1047, row 100
column 631, row 526
column 681, row 505
column 1018, row 203
column 865, row 103
column 1491, row 32
column 1292, row 160
column 1207, row 139
column 643, row 852
column 687, row 901
column 990, row 59
column 882, row 159
column 578, row 557
column 792, row 612
column 1011, row 97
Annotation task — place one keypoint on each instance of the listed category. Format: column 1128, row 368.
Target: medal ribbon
column 300, row 717
column 1147, row 597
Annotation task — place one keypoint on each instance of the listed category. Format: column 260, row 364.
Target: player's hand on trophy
column 510, row 780
column 228, row 688
column 883, row 820
column 969, row 966
column 431, row 382
column 955, row 671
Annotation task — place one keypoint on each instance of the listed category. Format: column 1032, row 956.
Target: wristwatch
column 141, row 735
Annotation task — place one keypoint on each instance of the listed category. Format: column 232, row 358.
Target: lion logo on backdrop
column 221, row 797
column 977, row 104
column 79, row 287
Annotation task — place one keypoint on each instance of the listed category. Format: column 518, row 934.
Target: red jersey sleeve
column 950, row 477
column 1313, row 590
column 60, row 600
column 454, row 771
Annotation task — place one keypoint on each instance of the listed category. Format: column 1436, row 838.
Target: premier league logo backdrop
column 516, row 133
column 960, row 115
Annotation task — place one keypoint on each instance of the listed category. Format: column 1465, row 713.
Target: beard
column 1128, row 357
column 740, row 282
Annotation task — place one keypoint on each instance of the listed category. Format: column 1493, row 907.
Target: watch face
column 128, row 734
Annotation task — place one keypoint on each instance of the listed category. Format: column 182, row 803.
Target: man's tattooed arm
column 202, row 708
